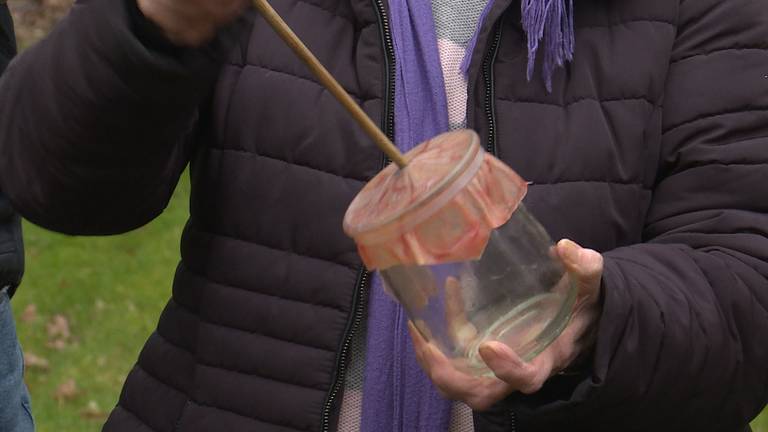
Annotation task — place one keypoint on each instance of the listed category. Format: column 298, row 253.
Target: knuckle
column 531, row 387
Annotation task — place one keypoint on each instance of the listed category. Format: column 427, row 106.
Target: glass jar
column 458, row 250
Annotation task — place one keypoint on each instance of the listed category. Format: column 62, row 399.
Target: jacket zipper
column 389, row 64
column 358, row 306
column 490, row 107
column 490, row 113
column 388, row 119
column 361, row 288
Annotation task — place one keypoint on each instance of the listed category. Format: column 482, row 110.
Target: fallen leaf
column 57, row 344
column 92, row 411
column 66, row 390
column 58, row 327
column 29, row 314
column 34, row 362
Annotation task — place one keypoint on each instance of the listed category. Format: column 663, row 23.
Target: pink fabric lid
column 441, row 208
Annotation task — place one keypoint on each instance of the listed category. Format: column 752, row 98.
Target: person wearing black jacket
column 15, row 414
column 649, row 149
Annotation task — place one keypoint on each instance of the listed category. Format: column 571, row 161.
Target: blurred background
column 87, row 305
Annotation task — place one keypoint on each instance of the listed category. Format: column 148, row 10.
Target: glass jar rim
column 407, row 217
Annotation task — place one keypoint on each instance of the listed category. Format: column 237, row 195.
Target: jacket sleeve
column 11, row 247
column 7, row 39
column 682, row 343
column 95, row 120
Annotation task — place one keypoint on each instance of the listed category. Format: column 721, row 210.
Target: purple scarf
column 553, row 18
column 550, row 18
column 397, row 395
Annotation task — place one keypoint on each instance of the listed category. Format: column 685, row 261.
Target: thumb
column 585, row 265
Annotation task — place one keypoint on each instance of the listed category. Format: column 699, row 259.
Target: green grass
column 112, row 291
column 761, row 423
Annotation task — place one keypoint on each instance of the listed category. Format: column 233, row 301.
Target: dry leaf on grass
column 66, row 391
column 29, row 314
column 93, row 412
column 34, row 362
column 58, row 327
column 57, row 344
column 59, row 333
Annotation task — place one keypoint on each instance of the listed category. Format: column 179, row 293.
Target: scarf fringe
column 550, row 22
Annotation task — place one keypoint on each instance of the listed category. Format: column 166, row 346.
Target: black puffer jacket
column 7, row 37
column 11, row 247
column 652, row 148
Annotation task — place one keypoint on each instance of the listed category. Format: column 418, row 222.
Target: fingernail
column 569, row 250
column 488, row 350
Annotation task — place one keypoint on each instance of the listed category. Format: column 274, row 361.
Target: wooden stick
column 330, row 83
